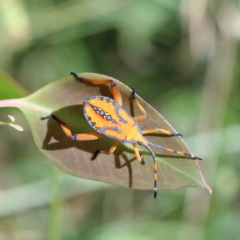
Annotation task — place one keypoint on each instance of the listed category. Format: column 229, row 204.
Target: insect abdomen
column 106, row 116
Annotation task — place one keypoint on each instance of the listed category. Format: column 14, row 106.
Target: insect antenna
column 154, row 169
column 173, row 150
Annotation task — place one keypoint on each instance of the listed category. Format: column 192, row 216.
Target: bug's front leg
column 139, row 157
column 143, row 116
column 114, row 88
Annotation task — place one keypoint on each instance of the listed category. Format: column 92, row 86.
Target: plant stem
column 54, row 231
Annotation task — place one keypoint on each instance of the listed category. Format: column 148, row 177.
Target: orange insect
column 107, row 117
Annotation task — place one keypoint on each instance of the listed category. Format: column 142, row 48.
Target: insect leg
column 140, row 158
column 114, row 88
column 111, row 150
column 67, row 131
column 86, row 136
column 155, row 130
column 144, row 114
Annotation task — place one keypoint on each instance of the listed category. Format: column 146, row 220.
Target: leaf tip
column 209, row 189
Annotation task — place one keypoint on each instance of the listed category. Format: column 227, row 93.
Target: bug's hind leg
column 114, row 88
column 111, row 150
column 63, row 125
column 140, row 158
column 67, row 131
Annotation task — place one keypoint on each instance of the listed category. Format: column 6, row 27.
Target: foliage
column 64, row 99
column 181, row 56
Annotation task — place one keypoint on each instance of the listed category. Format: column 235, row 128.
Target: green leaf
column 65, row 99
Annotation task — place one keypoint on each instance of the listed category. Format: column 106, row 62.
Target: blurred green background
column 182, row 56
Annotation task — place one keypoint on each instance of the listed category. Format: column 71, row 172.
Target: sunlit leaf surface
column 65, row 98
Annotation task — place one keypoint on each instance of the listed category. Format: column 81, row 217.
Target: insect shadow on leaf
column 55, row 140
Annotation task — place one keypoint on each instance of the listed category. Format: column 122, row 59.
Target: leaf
column 65, row 99
column 12, row 120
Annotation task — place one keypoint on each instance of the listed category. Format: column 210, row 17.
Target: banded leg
column 67, row 131
column 114, row 88
column 140, row 158
column 111, row 150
